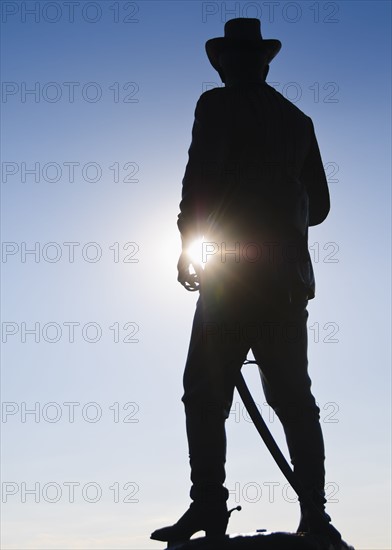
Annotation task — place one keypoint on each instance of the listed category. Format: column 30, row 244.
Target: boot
column 318, row 524
column 310, row 520
column 211, row 518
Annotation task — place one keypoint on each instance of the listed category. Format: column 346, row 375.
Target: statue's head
column 242, row 53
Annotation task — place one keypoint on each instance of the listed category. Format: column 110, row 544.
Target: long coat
column 254, row 170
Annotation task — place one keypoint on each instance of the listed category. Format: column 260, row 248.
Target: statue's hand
column 189, row 280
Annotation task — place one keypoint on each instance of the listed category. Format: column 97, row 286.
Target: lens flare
column 195, row 252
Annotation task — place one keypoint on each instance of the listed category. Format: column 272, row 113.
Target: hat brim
column 215, row 46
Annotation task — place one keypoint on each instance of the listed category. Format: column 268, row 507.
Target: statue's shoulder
column 211, row 103
column 287, row 104
column 213, row 94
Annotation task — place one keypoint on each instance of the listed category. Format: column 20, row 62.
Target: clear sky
column 98, row 99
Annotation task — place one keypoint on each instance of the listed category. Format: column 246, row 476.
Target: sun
column 195, row 253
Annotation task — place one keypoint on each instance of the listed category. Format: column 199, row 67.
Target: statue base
column 259, row 540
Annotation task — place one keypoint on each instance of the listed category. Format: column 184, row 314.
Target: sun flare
column 195, row 252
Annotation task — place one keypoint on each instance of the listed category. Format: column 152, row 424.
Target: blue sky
column 102, row 207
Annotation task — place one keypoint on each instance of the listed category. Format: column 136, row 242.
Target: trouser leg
column 282, row 357
column 216, row 354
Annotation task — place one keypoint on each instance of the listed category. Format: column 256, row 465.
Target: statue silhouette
column 253, row 185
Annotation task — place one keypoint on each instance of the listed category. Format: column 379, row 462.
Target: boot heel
column 219, row 525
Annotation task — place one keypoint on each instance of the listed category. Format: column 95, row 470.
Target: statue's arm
column 191, row 218
column 314, row 178
column 196, row 187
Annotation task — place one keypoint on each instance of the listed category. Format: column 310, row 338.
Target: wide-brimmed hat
column 243, row 32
